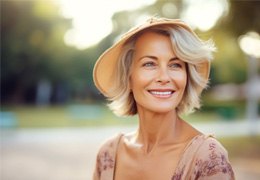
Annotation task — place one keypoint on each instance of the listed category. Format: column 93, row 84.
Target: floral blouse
column 203, row 158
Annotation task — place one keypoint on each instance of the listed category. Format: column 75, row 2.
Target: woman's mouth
column 161, row 93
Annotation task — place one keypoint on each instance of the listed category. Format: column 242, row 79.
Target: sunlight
column 250, row 44
column 204, row 14
column 91, row 20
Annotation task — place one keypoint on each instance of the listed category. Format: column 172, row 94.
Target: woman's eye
column 149, row 64
column 176, row 65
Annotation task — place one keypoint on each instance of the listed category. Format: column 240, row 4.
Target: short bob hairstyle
column 187, row 47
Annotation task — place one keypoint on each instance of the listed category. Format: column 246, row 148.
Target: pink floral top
column 203, row 158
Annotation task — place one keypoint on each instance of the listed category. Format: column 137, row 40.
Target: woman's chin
column 160, row 109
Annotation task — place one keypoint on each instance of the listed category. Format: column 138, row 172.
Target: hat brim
column 103, row 73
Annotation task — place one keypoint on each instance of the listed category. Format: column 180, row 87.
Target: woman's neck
column 157, row 129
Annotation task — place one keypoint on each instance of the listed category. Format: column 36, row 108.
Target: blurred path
column 69, row 153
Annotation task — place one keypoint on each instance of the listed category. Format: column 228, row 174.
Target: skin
column 158, row 80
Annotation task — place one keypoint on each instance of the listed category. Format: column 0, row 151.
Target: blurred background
column 53, row 119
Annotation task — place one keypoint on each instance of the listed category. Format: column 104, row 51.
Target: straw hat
column 103, row 74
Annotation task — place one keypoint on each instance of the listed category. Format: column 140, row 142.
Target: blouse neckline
column 182, row 158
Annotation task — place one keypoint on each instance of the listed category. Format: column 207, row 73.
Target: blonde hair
column 187, row 47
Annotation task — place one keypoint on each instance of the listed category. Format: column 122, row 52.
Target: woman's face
column 158, row 78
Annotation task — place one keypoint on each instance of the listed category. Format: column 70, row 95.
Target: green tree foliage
column 32, row 47
column 243, row 17
column 230, row 65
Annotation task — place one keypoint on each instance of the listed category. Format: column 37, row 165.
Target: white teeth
column 161, row 93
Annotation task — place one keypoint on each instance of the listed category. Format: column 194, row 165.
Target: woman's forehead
column 153, row 43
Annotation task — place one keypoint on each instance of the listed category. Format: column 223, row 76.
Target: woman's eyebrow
column 155, row 58
column 174, row 58
column 149, row 56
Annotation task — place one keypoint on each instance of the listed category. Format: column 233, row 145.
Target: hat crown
column 150, row 22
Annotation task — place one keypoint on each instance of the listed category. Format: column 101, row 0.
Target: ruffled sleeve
column 211, row 162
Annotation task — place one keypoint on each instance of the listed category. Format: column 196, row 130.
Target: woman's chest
column 134, row 164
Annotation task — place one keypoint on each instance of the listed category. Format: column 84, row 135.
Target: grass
column 65, row 116
column 82, row 116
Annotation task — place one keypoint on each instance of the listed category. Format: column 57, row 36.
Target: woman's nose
column 163, row 76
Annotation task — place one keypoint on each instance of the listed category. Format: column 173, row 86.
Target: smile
column 164, row 94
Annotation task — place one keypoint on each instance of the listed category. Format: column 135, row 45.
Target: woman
column 158, row 71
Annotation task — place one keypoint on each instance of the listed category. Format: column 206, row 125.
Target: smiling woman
column 158, row 71
column 156, row 60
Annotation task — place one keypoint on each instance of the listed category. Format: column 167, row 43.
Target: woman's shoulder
column 105, row 161
column 211, row 159
column 111, row 143
column 210, row 144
